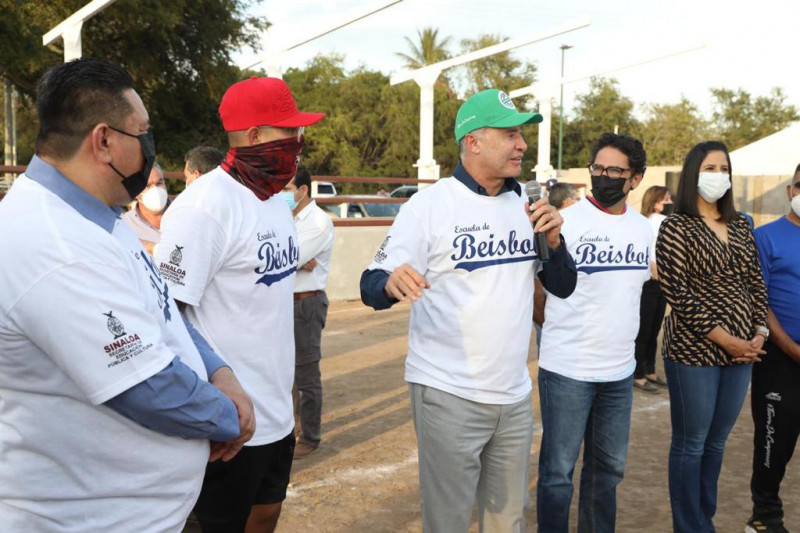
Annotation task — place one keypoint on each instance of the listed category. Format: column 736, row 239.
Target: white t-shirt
column 315, row 235
column 84, row 316
column 590, row 335
column 233, row 258
column 469, row 333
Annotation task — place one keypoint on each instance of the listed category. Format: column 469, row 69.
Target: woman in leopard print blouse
column 709, row 270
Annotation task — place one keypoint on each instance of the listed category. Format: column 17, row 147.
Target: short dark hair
column 303, row 178
column 559, row 193
column 686, row 197
column 203, row 158
column 72, row 98
column 637, row 156
column 797, row 169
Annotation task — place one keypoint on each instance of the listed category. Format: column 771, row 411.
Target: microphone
column 533, row 190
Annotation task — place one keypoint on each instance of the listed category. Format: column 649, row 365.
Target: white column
column 72, row 42
column 426, row 164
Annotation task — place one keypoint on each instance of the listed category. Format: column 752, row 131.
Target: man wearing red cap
column 229, row 253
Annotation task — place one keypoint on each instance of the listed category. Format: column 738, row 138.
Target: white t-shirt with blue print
column 590, row 335
column 470, row 332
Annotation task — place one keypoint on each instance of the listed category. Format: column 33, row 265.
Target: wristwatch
column 764, row 332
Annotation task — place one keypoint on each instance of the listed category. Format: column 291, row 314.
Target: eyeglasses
column 611, row 172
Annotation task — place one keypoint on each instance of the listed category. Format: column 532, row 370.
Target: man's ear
column 253, row 136
column 100, row 143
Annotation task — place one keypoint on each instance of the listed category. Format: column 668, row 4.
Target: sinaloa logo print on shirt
column 125, row 346
column 172, row 271
column 597, row 254
column 276, row 261
column 474, row 249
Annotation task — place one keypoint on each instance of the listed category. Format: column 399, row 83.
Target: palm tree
column 428, row 51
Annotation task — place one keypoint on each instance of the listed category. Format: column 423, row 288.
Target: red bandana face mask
column 265, row 168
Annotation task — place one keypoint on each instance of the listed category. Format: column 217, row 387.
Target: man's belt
column 305, row 294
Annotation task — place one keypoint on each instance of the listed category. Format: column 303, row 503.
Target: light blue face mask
column 288, row 197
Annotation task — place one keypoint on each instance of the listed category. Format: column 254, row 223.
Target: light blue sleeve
column 176, row 402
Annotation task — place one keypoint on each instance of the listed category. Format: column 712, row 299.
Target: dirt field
column 364, row 476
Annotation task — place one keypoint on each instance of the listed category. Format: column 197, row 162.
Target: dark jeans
column 704, row 404
column 775, row 401
column 651, row 315
column 310, row 315
column 599, row 415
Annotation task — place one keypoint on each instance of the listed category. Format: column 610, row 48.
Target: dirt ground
column 363, row 478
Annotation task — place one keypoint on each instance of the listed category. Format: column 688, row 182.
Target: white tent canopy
column 774, row 155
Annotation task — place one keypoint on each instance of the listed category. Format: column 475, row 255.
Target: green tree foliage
column 371, row 128
column 499, row 71
column 428, row 49
column 670, row 130
column 178, row 52
column 740, row 119
column 600, row 110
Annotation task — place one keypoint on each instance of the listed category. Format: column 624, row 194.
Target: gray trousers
column 309, row 320
column 471, row 451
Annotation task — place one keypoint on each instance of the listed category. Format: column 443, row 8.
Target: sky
column 752, row 45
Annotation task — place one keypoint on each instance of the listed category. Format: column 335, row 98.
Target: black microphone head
column 533, row 190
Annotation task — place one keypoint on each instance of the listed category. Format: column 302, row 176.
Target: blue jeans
column 598, row 414
column 704, row 404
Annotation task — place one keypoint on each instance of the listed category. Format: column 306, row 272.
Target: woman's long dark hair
column 686, row 198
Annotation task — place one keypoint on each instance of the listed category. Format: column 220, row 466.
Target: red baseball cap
column 262, row 102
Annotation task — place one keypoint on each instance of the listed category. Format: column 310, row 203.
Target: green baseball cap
column 493, row 109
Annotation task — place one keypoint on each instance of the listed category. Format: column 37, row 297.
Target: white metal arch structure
column 426, row 76
column 546, row 92
column 274, row 67
column 70, row 28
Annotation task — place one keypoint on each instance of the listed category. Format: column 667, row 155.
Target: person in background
column 315, row 239
column 563, row 195
column 200, row 160
column 656, row 206
column 709, row 272
column 144, row 217
column 775, row 390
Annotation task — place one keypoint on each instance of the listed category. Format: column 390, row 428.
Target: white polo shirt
column 233, row 258
column 470, row 332
column 84, row 316
column 315, row 236
column 590, row 335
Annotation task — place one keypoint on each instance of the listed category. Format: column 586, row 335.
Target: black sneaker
column 757, row 526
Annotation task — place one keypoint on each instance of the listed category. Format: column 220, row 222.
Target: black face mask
column 608, row 191
column 667, row 209
column 136, row 182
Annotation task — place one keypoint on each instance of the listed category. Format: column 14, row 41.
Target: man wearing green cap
column 462, row 252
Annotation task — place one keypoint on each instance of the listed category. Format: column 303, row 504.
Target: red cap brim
column 299, row 120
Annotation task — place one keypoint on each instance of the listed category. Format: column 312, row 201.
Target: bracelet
column 764, row 332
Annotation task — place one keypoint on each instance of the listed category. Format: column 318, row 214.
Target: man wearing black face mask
column 229, row 252
column 105, row 397
column 586, row 360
